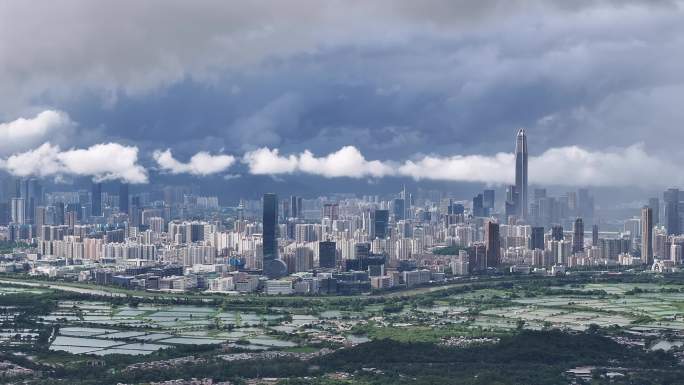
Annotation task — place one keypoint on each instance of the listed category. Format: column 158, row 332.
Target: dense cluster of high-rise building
column 173, row 238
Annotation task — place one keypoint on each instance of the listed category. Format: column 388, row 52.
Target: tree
column 593, row 329
column 520, row 324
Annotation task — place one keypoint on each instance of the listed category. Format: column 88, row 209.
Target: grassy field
column 637, row 307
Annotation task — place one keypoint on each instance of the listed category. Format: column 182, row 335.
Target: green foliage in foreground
column 432, row 334
column 530, row 357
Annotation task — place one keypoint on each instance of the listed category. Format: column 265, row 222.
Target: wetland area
column 65, row 330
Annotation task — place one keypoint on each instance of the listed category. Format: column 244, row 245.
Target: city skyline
column 515, row 203
column 385, row 231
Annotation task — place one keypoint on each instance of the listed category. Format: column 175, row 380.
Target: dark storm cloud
column 393, row 78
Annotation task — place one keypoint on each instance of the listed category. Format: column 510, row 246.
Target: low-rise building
column 279, row 287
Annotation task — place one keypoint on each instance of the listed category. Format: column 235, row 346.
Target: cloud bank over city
column 561, row 166
column 429, row 91
column 564, row 166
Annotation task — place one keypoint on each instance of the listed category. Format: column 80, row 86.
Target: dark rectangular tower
column 270, row 221
column 380, row 221
column 654, row 204
column 327, row 254
column 478, row 206
column 493, row 244
column 96, row 200
column 123, row 197
column 646, row 235
column 537, row 238
column 671, row 199
column 578, row 236
column 488, row 200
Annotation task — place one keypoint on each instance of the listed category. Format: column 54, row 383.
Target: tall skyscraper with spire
column 521, row 173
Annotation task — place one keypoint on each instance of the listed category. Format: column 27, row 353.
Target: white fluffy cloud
column 628, row 167
column 346, row 162
column 25, row 133
column 201, row 163
column 102, row 162
column 40, row 162
column 563, row 166
column 470, row 168
column 265, row 161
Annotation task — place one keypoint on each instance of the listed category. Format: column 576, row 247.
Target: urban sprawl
column 174, row 239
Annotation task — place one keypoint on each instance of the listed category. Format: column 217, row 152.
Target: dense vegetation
column 530, row 357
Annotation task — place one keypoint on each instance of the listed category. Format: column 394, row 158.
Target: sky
column 339, row 92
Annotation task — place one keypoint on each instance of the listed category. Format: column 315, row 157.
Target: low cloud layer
column 346, row 162
column 496, row 169
column 101, row 162
column 624, row 167
column 563, row 166
column 202, row 163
